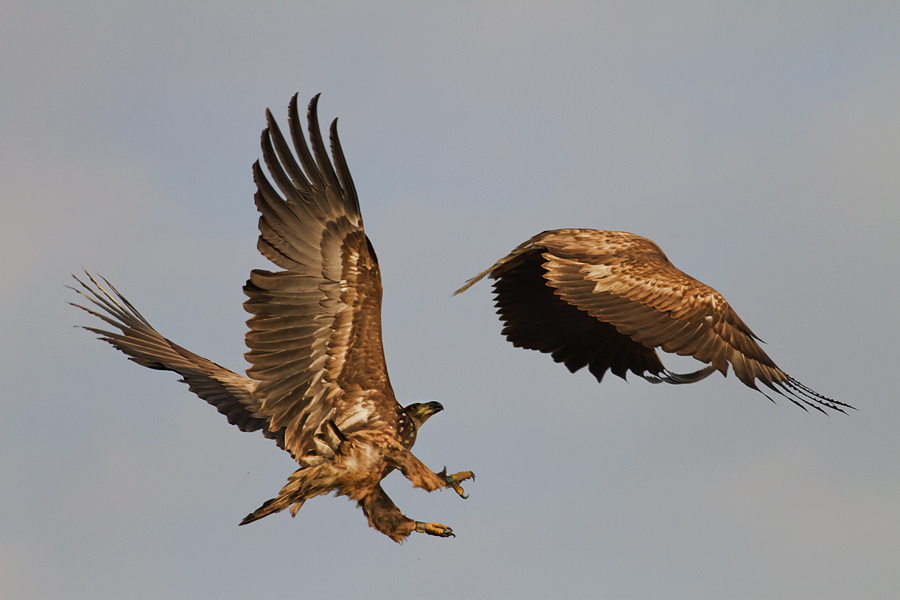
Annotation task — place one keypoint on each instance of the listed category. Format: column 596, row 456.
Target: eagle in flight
column 318, row 383
column 606, row 300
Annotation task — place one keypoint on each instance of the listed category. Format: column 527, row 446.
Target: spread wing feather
column 230, row 393
column 315, row 330
column 607, row 299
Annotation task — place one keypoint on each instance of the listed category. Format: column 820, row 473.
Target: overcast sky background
column 758, row 143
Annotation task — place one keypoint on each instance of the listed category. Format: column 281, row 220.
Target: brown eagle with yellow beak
column 318, row 382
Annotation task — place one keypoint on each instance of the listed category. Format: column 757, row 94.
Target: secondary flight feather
column 318, row 382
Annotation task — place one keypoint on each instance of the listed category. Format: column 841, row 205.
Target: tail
column 272, row 506
column 303, row 484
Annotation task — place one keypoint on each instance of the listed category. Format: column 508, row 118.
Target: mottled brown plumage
column 318, row 383
column 607, row 299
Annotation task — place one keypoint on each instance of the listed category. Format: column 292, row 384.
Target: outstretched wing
column 616, row 297
column 315, row 334
column 230, row 393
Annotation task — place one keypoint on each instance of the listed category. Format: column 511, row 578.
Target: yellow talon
column 455, row 479
column 437, row 529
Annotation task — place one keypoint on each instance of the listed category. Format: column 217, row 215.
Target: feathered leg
column 423, row 477
column 384, row 516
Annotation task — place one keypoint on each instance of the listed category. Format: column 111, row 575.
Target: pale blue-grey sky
column 757, row 142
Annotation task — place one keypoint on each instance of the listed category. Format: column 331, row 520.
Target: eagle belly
column 354, row 470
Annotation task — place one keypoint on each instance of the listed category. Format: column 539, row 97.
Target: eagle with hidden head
column 606, row 300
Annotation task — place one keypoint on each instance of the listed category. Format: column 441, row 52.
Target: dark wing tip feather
column 118, row 306
column 294, row 113
column 340, row 164
column 318, row 144
column 132, row 334
column 786, row 386
column 794, row 390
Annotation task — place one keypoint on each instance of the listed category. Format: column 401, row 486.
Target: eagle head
column 412, row 417
column 419, row 412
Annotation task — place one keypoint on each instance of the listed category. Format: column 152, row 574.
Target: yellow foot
column 455, row 479
column 434, row 529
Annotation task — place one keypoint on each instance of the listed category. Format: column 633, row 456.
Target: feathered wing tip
column 312, row 168
column 304, row 188
column 340, row 164
column 495, row 270
column 319, row 149
column 230, row 393
column 472, row 281
column 790, row 388
column 335, row 170
column 316, row 171
column 803, row 396
column 112, row 302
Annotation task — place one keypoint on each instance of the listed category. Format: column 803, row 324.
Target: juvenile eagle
column 606, row 300
column 318, row 383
